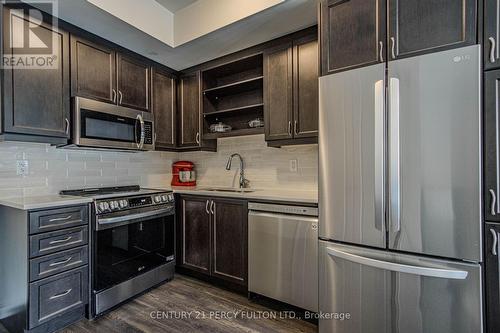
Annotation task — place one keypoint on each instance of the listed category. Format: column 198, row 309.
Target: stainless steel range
column 132, row 240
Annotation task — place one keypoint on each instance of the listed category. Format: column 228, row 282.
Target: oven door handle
column 125, row 218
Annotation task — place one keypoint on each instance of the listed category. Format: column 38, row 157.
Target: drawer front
column 57, row 241
column 55, row 219
column 57, row 295
column 46, row 266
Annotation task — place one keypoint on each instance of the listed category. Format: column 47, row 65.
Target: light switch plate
column 22, row 167
column 294, row 165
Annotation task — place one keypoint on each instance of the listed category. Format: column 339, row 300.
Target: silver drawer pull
column 60, row 262
column 495, row 242
column 61, row 294
column 61, row 219
column 493, row 202
column 492, row 49
column 60, row 240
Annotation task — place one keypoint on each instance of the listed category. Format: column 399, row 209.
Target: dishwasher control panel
column 284, row 209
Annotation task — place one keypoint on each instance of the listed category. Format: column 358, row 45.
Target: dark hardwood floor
column 187, row 296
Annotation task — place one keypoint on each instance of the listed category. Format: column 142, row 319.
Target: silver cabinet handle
column 61, row 240
column 379, row 153
column 206, row 207
column 401, row 268
column 60, row 262
column 198, row 137
column 61, row 294
column 61, row 219
column 381, row 51
column 121, row 97
column 296, row 127
column 212, row 207
column 394, row 166
column 492, row 50
column 113, row 95
column 66, row 120
column 289, row 128
column 393, row 48
column 493, row 202
column 495, row 242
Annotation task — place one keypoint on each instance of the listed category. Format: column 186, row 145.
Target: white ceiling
column 175, row 5
column 276, row 21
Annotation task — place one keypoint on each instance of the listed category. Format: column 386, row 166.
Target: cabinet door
column 305, row 82
column 133, row 78
column 353, row 34
column 426, row 26
column 189, row 110
column 491, row 34
column 491, row 146
column 92, row 71
column 229, row 240
column 492, row 273
column 278, row 92
column 195, row 234
column 164, row 107
column 37, row 99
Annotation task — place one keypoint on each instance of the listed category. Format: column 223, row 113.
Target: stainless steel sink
column 228, row 189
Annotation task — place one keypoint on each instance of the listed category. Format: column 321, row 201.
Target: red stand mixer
column 183, row 174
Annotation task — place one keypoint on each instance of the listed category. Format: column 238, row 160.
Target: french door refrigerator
column 400, row 212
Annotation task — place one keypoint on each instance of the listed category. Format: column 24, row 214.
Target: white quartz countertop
column 45, row 201
column 285, row 195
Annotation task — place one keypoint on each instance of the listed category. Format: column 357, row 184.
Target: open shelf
column 235, row 87
column 245, row 108
column 232, row 72
column 237, row 132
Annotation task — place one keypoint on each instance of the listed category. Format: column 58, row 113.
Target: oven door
column 103, row 125
column 126, row 251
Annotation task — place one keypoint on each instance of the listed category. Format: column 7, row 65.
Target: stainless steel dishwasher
column 283, row 253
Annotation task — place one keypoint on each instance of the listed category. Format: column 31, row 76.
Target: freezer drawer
column 388, row 292
column 283, row 258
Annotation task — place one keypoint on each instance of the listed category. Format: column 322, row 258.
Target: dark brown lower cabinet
column 492, row 274
column 212, row 238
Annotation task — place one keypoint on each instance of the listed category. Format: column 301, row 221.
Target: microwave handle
column 140, row 144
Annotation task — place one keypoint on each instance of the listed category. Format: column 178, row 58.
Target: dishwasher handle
column 283, row 209
column 282, row 216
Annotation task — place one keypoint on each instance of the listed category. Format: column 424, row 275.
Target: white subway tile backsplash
column 52, row 170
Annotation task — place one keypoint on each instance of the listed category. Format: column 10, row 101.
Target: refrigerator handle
column 379, row 154
column 400, row 268
column 394, row 167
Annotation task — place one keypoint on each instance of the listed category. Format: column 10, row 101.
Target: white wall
column 52, row 170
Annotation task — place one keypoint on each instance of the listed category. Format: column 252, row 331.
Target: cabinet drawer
column 57, row 241
column 56, row 295
column 46, row 266
column 54, row 219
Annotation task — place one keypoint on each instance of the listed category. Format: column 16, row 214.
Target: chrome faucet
column 243, row 182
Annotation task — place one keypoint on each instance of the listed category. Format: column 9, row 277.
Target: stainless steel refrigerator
column 400, row 207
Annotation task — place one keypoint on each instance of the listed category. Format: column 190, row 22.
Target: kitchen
column 282, row 165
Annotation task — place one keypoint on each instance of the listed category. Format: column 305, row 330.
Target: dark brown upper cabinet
column 36, row 101
column 188, row 91
column 353, row 34
column 164, row 108
column 491, row 146
column 133, row 77
column 291, row 92
column 92, row 70
column 100, row 73
column 491, row 34
column 425, row 26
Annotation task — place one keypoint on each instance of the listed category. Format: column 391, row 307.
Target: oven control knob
column 164, row 198
column 105, row 206
column 123, row 203
column 171, row 197
column 100, row 207
column 157, row 199
column 115, row 205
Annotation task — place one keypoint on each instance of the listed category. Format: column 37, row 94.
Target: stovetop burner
column 98, row 191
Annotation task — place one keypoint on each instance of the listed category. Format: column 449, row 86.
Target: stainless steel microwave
column 108, row 126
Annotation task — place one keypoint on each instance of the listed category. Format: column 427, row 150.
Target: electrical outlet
column 294, row 165
column 22, row 167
